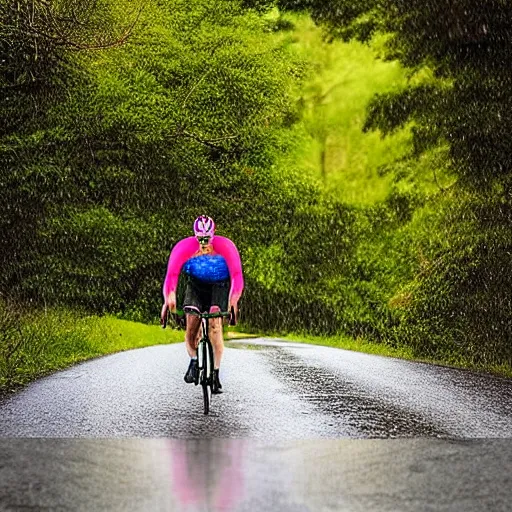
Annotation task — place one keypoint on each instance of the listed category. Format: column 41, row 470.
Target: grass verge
column 402, row 352
column 36, row 344
column 381, row 349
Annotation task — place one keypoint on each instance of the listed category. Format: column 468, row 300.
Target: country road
column 299, row 428
column 273, row 390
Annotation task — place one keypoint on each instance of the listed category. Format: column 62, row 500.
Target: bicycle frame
column 205, row 356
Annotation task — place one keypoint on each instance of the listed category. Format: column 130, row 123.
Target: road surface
column 299, row 428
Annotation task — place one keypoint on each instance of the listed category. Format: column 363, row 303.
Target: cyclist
column 214, row 282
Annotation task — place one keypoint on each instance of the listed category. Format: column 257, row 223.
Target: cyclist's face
column 204, row 240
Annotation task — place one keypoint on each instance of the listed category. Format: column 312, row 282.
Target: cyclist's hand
column 171, row 302
column 163, row 316
column 233, row 309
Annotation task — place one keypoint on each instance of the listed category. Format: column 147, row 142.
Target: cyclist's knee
column 216, row 324
column 214, row 309
column 192, row 331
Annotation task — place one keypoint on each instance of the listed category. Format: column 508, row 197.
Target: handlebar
column 192, row 311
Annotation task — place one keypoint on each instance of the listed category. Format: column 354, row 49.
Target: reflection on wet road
column 238, row 475
column 365, row 414
column 273, row 390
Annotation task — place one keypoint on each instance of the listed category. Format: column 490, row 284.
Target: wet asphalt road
column 299, row 428
column 273, row 390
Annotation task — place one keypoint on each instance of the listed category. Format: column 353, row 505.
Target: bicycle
column 205, row 358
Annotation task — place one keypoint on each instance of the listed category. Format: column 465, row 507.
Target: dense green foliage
column 194, row 113
column 456, row 298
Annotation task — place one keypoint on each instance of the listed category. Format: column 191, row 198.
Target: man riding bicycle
column 214, row 282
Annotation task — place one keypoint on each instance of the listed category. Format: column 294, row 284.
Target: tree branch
column 193, row 88
column 211, row 143
column 62, row 39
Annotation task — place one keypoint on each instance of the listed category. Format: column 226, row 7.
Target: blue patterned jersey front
column 207, row 268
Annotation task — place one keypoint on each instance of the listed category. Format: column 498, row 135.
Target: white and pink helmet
column 204, row 226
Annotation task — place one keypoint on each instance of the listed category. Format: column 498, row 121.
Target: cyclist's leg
column 219, row 302
column 216, row 336
column 191, row 339
column 194, row 298
column 192, row 334
column 217, row 339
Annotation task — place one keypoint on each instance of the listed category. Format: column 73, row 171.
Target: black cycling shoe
column 191, row 374
column 217, row 386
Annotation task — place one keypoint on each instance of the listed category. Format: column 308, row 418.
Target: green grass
column 35, row 345
column 340, row 341
column 355, row 344
column 380, row 349
column 401, row 352
column 126, row 335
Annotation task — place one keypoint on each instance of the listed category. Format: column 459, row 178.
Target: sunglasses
column 203, row 240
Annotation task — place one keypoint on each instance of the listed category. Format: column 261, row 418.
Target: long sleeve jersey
column 186, row 254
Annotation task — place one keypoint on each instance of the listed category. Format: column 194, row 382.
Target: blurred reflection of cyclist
column 207, row 474
column 214, row 282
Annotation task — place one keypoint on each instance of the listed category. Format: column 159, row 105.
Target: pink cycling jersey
column 189, row 247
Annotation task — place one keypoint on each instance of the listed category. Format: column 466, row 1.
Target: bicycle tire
column 212, row 365
column 206, row 377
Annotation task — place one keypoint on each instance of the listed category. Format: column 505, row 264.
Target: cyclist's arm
column 180, row 253
column 228, row 250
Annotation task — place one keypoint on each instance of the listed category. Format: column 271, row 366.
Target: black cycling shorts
column 204, row 295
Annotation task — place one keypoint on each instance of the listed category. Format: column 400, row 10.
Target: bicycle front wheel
column 206, row 378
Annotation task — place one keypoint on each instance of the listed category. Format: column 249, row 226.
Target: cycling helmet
column 204, row 226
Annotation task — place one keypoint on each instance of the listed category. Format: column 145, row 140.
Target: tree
column 458, row 101
column 468, row 46
column 41, row 43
